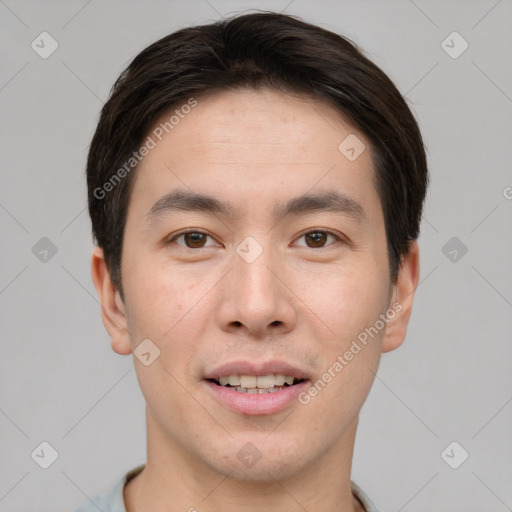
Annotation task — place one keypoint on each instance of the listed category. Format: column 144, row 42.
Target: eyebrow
column 328, row 201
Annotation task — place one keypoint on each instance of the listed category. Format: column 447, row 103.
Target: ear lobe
column 113, row 311
column 403, row 296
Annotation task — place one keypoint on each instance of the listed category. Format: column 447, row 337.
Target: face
column 256, row 280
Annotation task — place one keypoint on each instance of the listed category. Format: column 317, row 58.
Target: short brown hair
column 262, row 49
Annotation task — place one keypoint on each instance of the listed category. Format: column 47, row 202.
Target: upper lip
column 257, row 369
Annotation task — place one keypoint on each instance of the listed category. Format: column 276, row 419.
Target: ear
column 403, row 295
column 113, row 311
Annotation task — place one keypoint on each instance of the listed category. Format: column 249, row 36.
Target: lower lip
column 255, row 403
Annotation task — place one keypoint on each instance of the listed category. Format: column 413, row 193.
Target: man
column 255, row 188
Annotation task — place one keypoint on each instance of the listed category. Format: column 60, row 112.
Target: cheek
column 159, row 298
column 346, row 299
column 173, row 311
column 161, row 308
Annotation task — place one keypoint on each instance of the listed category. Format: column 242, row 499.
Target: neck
column 175, row 480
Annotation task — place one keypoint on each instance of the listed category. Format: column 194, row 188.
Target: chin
column 256, row 458
column 262, row 472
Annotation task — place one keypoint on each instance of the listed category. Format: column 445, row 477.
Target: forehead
column 238, row 122
column 254, row 145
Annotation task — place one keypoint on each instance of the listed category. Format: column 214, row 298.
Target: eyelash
column 323, row 231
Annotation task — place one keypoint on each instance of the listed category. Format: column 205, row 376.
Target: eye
column 193, row 239
column 316, row 239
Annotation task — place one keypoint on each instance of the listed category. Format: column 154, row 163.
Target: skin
column 298, row 301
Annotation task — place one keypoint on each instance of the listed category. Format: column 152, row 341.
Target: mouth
column 249, row 387
column 257, row 384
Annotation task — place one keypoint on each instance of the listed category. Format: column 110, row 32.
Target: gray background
column 450, row 381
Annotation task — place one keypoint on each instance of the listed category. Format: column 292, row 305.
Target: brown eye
column 192, row 239
column 318, row 239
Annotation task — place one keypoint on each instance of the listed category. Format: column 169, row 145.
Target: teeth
column 254, row 384
column 266, row 381
column 279, row 379
column 248, row 381
column 254, row 391
column 234, row 380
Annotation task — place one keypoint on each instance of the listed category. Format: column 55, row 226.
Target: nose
column 256, row 299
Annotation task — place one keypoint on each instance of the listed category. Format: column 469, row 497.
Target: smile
column 253, row 384
column 255, row 401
